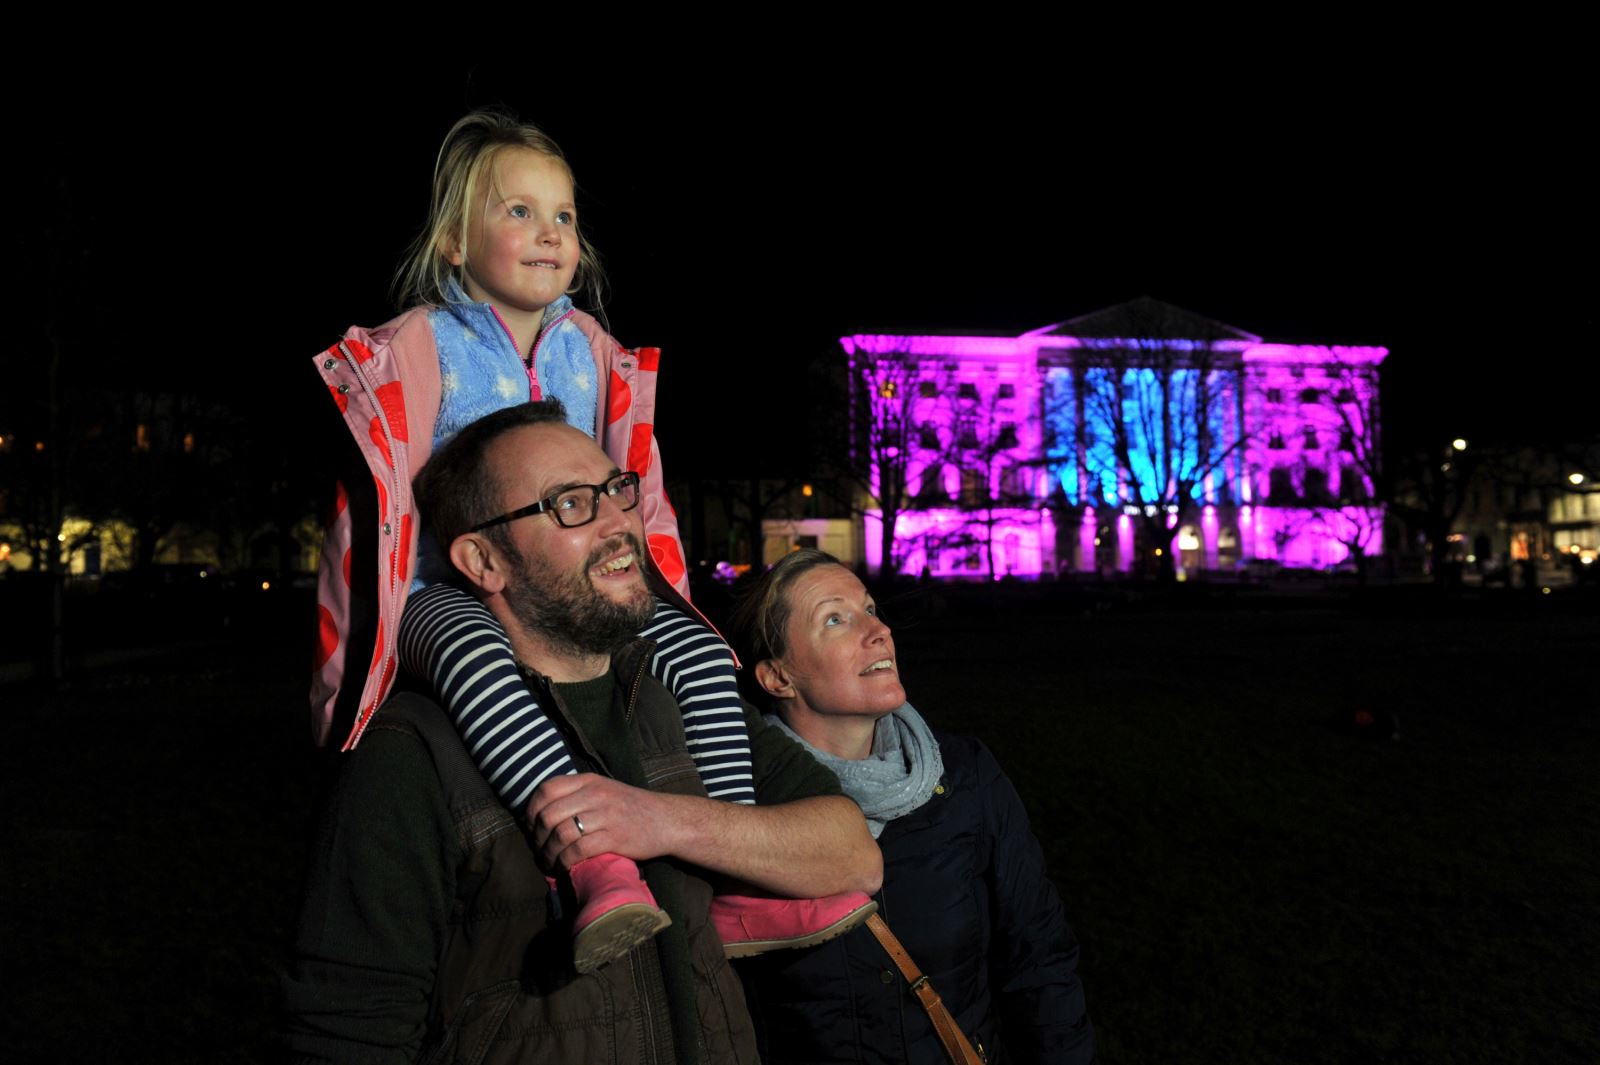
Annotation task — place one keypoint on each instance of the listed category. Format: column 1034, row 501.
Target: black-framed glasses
column 575, row 506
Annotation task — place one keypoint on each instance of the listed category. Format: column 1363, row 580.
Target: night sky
column 749, row 214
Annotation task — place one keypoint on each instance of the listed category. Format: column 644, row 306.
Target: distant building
column 1530, row 504
column 1096, row 443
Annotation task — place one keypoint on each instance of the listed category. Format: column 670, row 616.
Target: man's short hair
column 456, row 488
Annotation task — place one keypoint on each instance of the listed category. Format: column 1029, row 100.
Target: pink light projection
column 995, row 451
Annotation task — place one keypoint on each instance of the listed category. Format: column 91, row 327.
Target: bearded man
column 429, row 928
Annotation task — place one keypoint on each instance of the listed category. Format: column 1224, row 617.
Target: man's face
column 582, row 588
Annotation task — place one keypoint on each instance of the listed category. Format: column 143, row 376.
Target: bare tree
column 1352, row 511
column 883, row 389
column 1154, row 417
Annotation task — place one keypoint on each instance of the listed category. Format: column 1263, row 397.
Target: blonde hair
column 760, row 622
column 466, row 160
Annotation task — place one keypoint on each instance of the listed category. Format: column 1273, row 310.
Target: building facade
column 1100, row 444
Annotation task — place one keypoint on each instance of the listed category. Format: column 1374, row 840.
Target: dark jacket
column 428, row 934
column 964, row 889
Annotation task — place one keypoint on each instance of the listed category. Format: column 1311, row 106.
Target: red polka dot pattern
column 361, row 351
column 375, row 430
column 648, row 358
column 639, row 448
column 393, row 401
column 327, row 638
column 341, row 499
column 401, row 556
column 664, row 550
column 347, row 553
column 377, row 650
column 621, row 399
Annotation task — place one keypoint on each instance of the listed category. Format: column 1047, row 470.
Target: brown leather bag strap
column 944, row 1026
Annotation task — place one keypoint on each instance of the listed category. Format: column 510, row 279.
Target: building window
column 1347, row 441
column 1274, row 395
column 1316, row 481
column 1311, row 443
column 930, row 436
column 888, row 389
column 1018, row 483
column 1310, row 395
column 1275, row 441
column 928, row 389
column 1007, row 390
column 1344, row 395
column 967, row 390
column 932, row 489
column 1352, row 486
column 1281, row 486
column 1007, row 437
column 968, row 435
column 974, row 487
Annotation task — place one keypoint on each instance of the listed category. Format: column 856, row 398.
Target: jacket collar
column 480, row 316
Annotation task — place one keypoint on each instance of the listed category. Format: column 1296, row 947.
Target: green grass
column 1250, row 882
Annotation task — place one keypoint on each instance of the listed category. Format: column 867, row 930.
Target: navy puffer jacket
column 964, row 888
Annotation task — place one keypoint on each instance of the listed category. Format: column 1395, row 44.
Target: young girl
column 492, row 275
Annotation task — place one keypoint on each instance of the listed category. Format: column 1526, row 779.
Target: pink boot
column 616, row 911
column 754, row 925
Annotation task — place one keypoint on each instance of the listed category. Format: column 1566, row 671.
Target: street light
column 1575, row 478
column 1458, row 444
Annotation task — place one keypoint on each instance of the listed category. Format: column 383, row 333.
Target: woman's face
column 840, row 659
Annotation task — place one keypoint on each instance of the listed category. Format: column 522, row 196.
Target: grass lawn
column 1252, row 880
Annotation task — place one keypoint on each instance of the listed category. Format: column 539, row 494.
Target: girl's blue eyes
column 521, row 211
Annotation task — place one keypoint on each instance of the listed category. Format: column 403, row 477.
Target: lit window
column 888, row 389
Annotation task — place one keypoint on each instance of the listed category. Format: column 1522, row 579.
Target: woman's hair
column 760, row 623
column 466, row 161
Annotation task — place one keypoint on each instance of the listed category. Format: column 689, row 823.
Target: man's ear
column 478, row 561
column 774, row 679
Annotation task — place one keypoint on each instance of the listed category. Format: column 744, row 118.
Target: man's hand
column 617, row 819
column 802, row 849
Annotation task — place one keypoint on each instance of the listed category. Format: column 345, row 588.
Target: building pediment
column 1145, row 319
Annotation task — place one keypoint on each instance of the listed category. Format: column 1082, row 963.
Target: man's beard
column 568, row 610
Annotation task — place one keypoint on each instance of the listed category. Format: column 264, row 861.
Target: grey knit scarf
column 897, row 777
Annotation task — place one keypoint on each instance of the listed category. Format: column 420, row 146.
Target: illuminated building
column 1095, row 444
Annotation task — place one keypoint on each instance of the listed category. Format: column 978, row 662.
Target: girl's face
column 840, row 660
column 522, row 246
